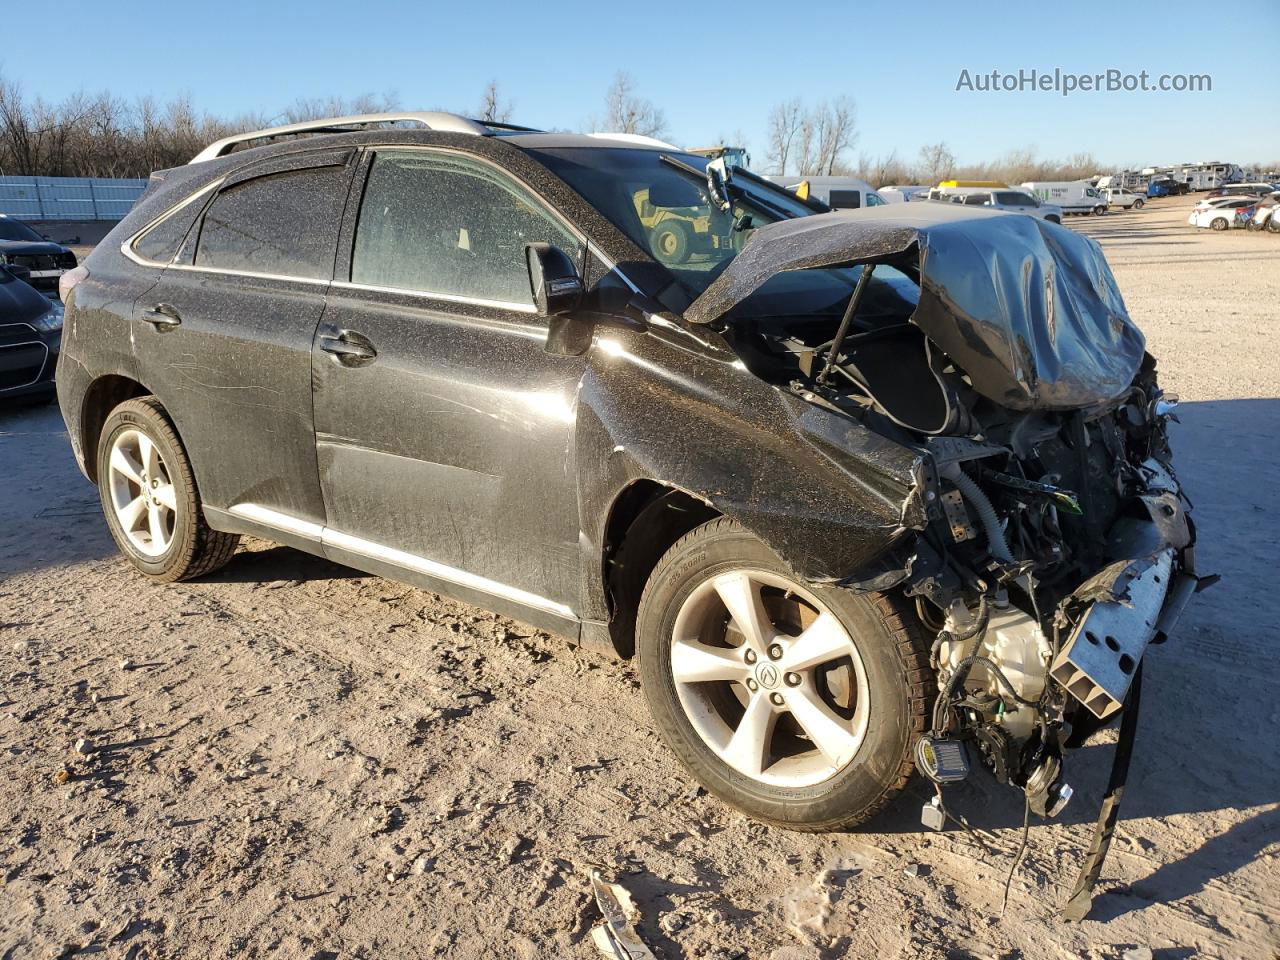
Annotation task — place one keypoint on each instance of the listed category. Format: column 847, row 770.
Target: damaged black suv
column 864, row 492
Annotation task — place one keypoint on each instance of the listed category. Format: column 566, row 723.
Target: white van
column 1073, row 196
column 838, row 193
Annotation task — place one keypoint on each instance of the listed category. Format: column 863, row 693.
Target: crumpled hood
column 1028, row 309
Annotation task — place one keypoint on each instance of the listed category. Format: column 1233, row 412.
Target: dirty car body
column 943, row 406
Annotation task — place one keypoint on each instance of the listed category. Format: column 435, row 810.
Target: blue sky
column 714, row 68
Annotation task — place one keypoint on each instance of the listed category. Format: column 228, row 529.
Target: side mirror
column 557, row 295
column 554, row 280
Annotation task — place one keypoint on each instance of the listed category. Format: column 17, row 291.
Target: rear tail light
column 67, row 282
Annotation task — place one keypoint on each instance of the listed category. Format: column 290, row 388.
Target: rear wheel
column 1273, row 223
column 150, row 499
column 798, row 704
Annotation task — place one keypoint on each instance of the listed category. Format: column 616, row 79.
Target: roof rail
column 637, row 138
column 432, row 120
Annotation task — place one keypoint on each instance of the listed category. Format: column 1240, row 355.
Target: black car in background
column 30, row 331
column 47, row 261
column 857, row 488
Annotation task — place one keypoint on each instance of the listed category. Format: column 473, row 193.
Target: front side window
column 661, row 202
column 450, row 226
column 284, row 224
column 875, row 200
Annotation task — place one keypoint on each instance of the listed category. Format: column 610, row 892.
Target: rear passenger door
column 224, row 338
column 444, row 428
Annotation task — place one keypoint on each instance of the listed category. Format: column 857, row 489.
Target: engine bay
column 1054, row 536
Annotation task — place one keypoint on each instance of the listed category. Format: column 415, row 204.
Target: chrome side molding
column 328, row 537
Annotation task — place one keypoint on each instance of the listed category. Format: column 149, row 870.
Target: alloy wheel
column 142, row 493
column 769, row 678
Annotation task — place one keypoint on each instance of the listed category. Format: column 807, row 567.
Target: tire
column 671, row 242
column 1099, row 211
column 796, row 786
column 192, row 548
column 1137, row 204
column 1219, row 223
column 1273, row 223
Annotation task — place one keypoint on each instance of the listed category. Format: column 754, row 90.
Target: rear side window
column 284, row 224
column 450, row 226
column 163, row 241
column 845, row 200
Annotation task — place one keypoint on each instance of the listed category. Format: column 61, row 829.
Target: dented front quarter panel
column 828, row 495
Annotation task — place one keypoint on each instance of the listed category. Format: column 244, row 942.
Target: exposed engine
column 1054, row 537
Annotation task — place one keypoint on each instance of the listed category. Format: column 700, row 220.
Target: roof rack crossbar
column 432, row 120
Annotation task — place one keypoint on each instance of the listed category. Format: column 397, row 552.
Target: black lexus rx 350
column 862, row 491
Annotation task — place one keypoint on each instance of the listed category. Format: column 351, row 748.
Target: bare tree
column 936, row 161
column 492, row 108
column 812, row 141
column 317, row 108
column 806, row 137
column 784, row 124
column 834, row 124
column 883, row 170
column 626, row 112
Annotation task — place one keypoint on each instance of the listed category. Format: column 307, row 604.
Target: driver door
column 444, row 431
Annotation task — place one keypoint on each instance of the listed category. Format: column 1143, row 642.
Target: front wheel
column 150, row 498
column 1219, row 223
column 1137, row 204
column 796, row 703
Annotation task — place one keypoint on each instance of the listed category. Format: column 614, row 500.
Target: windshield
column 17, row 230
column 661, row 202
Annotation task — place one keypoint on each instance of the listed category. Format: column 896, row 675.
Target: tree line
column 101, row 135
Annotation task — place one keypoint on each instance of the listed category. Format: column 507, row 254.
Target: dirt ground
column 292, row 759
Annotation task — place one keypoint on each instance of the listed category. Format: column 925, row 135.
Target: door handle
column 161, row 316
column 349, row 347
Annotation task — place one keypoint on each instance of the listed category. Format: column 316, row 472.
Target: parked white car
column 1247, row 189
column 1218, row 213
column 1123, row 197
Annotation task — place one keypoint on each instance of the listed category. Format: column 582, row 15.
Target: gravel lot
column 292, row 759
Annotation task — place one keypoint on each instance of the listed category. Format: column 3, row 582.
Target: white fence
column 68, row 198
